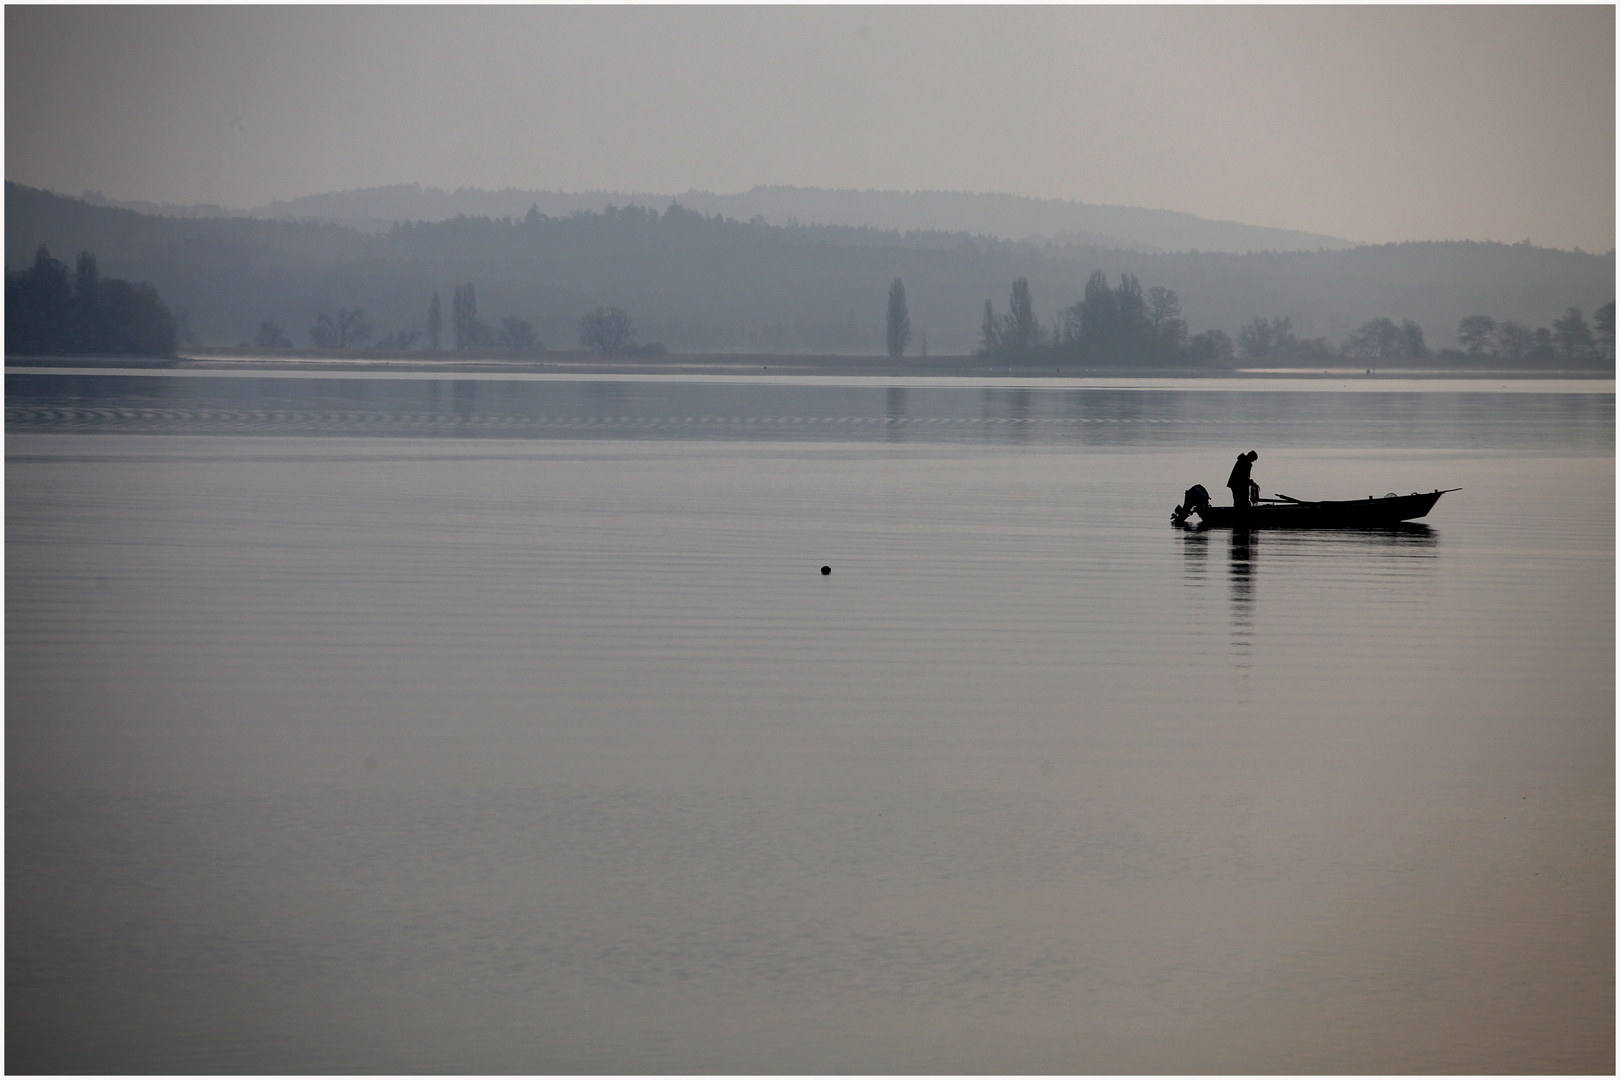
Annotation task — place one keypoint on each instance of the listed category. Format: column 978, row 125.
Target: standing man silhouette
column 1239, row 480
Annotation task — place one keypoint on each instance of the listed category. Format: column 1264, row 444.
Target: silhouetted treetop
column 47, row 314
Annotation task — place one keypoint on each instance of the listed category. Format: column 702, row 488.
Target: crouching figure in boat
column 1195, row 498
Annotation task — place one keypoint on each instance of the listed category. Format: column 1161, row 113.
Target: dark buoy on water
column 826, row 569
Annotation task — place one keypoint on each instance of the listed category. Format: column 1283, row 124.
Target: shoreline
column 756, row 365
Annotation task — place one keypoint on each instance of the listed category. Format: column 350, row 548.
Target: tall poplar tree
column 464, row 316
column 1024, row 329
column 899, row 319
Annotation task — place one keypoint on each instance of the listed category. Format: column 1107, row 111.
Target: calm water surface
column 392, row 725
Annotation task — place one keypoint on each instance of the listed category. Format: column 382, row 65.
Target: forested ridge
column 699, row 282
column 1011, row 217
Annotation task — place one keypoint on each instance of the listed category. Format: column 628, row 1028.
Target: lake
column 407, row 724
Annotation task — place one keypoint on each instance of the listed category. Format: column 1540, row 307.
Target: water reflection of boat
column 1283, row 512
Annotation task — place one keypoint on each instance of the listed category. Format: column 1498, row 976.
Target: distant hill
column 698, row 282
column 1008, row 217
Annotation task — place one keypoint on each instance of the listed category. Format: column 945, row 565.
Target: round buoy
column 826, row 569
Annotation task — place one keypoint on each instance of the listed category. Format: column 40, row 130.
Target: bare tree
column 1164, row 315
column 1098, row 312
column 1133, row 312
column 899, row 322
column 86, row 278
column 517, row 334
column 1573, row 336
column 1603, row 322
column 992, row 331
column 464, row 316
column 1261, row 339
column 1544, row 340
column 1073, row 325
column 1375, row 340
column 1412, row 346
column 607, row 330
column 434, row 322
column 1254, row 338
column 1476, row 334
column 270, row 335
column 324, row 333
column 1381, row 339
column 1514, row 340
column 1024, row 329
column 348, row 331
column 1210, row 347
column 353, row 330
column 401, row 340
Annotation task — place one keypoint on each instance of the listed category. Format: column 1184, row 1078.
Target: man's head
column 1252, row 456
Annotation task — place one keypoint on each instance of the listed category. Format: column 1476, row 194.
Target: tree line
column 1570, row 339
column 1125, row 325
column 608, row 330
column 1110, row 325
column 52, row 311
column 703, row 284
column 349, row 329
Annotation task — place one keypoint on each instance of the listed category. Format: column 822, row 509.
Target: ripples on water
column 379, row 753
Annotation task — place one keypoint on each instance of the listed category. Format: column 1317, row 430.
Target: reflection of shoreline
column 546, row 406
column 775, row 367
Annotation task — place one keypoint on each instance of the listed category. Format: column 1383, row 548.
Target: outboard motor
column 1194, row 497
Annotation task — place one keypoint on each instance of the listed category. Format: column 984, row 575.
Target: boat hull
column 1354, row 514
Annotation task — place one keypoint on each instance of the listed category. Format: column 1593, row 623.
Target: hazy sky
column 1370, row 123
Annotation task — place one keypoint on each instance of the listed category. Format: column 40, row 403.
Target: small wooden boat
column 1284, row 512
